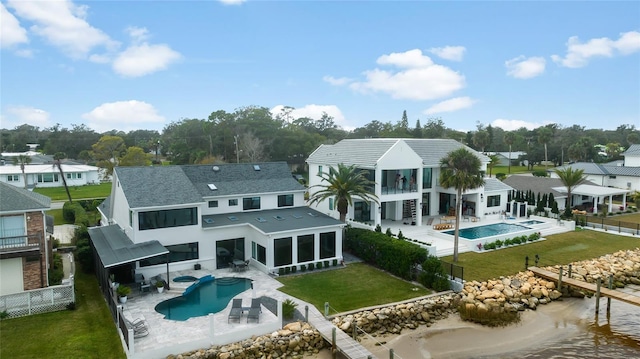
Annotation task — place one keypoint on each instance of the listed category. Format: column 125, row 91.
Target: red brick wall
column 35, row 274
column 31, row 274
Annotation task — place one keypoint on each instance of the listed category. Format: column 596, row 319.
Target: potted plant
column 123, row 291
column 160, row 286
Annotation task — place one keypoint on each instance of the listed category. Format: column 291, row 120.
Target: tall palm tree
column 544, row 136
column 571, row 179
column 495, row 160
column 343, row 185
column 57, row 163
column 460, row 169
column 22, row 160
column 509, row 139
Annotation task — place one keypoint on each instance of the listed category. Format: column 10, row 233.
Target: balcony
column 19, row 244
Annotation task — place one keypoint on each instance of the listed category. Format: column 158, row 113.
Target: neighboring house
column 24, row 249
column 48, row 175
column 406, row 174
column 516, row 158
column 587, row 195
column 209, row 216
column 623, row 175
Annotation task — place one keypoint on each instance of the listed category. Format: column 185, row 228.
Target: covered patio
column 597, row 194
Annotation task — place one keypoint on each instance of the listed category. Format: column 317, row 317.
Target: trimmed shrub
column 335, row 262
column 311, row 266
column 294, row 269
column 280, row 271
column 400, row 235
column 287, row 270
column 433, row 275
column 288, row 308
column 326, row 264
column 303, row 268
column 378, row 228
column 319, row 265
column 389, row 233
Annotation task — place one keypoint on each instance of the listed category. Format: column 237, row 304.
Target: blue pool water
column 489, row 230
column 205, row 297
column 185, row 278
column 530, row 222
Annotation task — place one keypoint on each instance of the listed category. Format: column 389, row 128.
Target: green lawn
column 561, row 248
column 57, row 216
column 514, row 169
column 87, row 332
column 77, row 192
column 356, row 286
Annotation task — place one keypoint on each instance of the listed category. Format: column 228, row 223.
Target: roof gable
column 434, row 150
column 14, row 199
column 360, row 152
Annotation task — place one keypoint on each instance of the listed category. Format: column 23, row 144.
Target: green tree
column 22, row 160
column 509, row 139
column 494, row 161
column 460, row 169
column 135, row 156
column 343, row 185
column 571, row 179
column 107, row 151
column 481, row 140
column 57, row 163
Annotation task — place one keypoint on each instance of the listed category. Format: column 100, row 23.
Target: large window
column 47, row 177
column 177, row 253
column 305, row 248
column 258, row 253
column 167, row 218
column 74, row 175
column 251, row 203
column 285, row 200
column 327, row 245
column 213, row 204
column 12, row 226
column 493, row 201
column 282, row 251
column 426, row 177
column 233, row 202
column 13, row 178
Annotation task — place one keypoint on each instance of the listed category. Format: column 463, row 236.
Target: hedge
column 388, row 253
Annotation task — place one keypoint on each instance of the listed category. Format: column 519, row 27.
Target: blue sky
column 142, row 64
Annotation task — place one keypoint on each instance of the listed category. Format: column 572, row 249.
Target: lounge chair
column 139, row 327
column 254, row 313
column 255, row 303
column 236, row 311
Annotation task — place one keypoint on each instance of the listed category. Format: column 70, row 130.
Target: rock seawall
column 293, row 341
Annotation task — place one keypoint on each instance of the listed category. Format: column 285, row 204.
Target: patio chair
column 255, row 304
column 254, row 313
column 139, row 327
column 236, row 311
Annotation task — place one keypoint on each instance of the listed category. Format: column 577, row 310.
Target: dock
column 605, row 292
column 344, row 343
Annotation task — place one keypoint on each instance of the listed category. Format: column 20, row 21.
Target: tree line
column 253, row 134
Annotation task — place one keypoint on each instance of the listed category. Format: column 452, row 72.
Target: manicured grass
column 561, row 248
column 356, row 286
column 87, row 332
column 57, row 216
column 77, row 192
column 514, row 169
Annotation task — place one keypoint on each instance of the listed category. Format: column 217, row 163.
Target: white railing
column 38, row 301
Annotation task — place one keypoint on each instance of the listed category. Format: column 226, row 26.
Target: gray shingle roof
column 242, row 178
column 494, row 184
column 366, row 152
column 362, row 152
column 434, row 150
column 174, row 185
column 156, row 186
column 590, row 168
column 14, row 199
column 536, row 184
column 288, row 219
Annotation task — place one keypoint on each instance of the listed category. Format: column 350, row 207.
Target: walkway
column 605, row 292
column 344, row 343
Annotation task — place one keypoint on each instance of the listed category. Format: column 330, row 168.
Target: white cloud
column 144, row 59
column 63, row 24
column 12, row 33
column 232, row 2
column 578, row 54
column 451, row 105
column 123, row 115
column 512, row 125
column 20, row 115
column 337, row 81
column 525, row 68
column 418, row 79
column 453, row 53
column 314, row 112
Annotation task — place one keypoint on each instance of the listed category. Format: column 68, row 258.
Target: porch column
column 624, row 200
column 419, row 203
column 377, row 207
column 596, row 200
column 610, row 203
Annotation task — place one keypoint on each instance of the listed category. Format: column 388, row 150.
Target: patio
column 173, row 337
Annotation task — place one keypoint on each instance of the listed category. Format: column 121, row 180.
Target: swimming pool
column 489, row 230
column 530, row 222
column 185, row 278
column 204, row 298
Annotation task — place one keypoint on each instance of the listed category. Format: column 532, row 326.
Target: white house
column 24, row 256
column 47, row 175
column 623, row 175
column 406, row 174
column 515, row 157
column 177, row 217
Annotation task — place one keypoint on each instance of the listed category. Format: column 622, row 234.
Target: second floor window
column 213, row 204
column 250, row 203
column 493, row 201
column 285, row 200
column 167, row 218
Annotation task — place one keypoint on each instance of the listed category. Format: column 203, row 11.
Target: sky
column 144, row 64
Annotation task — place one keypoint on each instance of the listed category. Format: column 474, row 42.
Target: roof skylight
column 212, row 186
